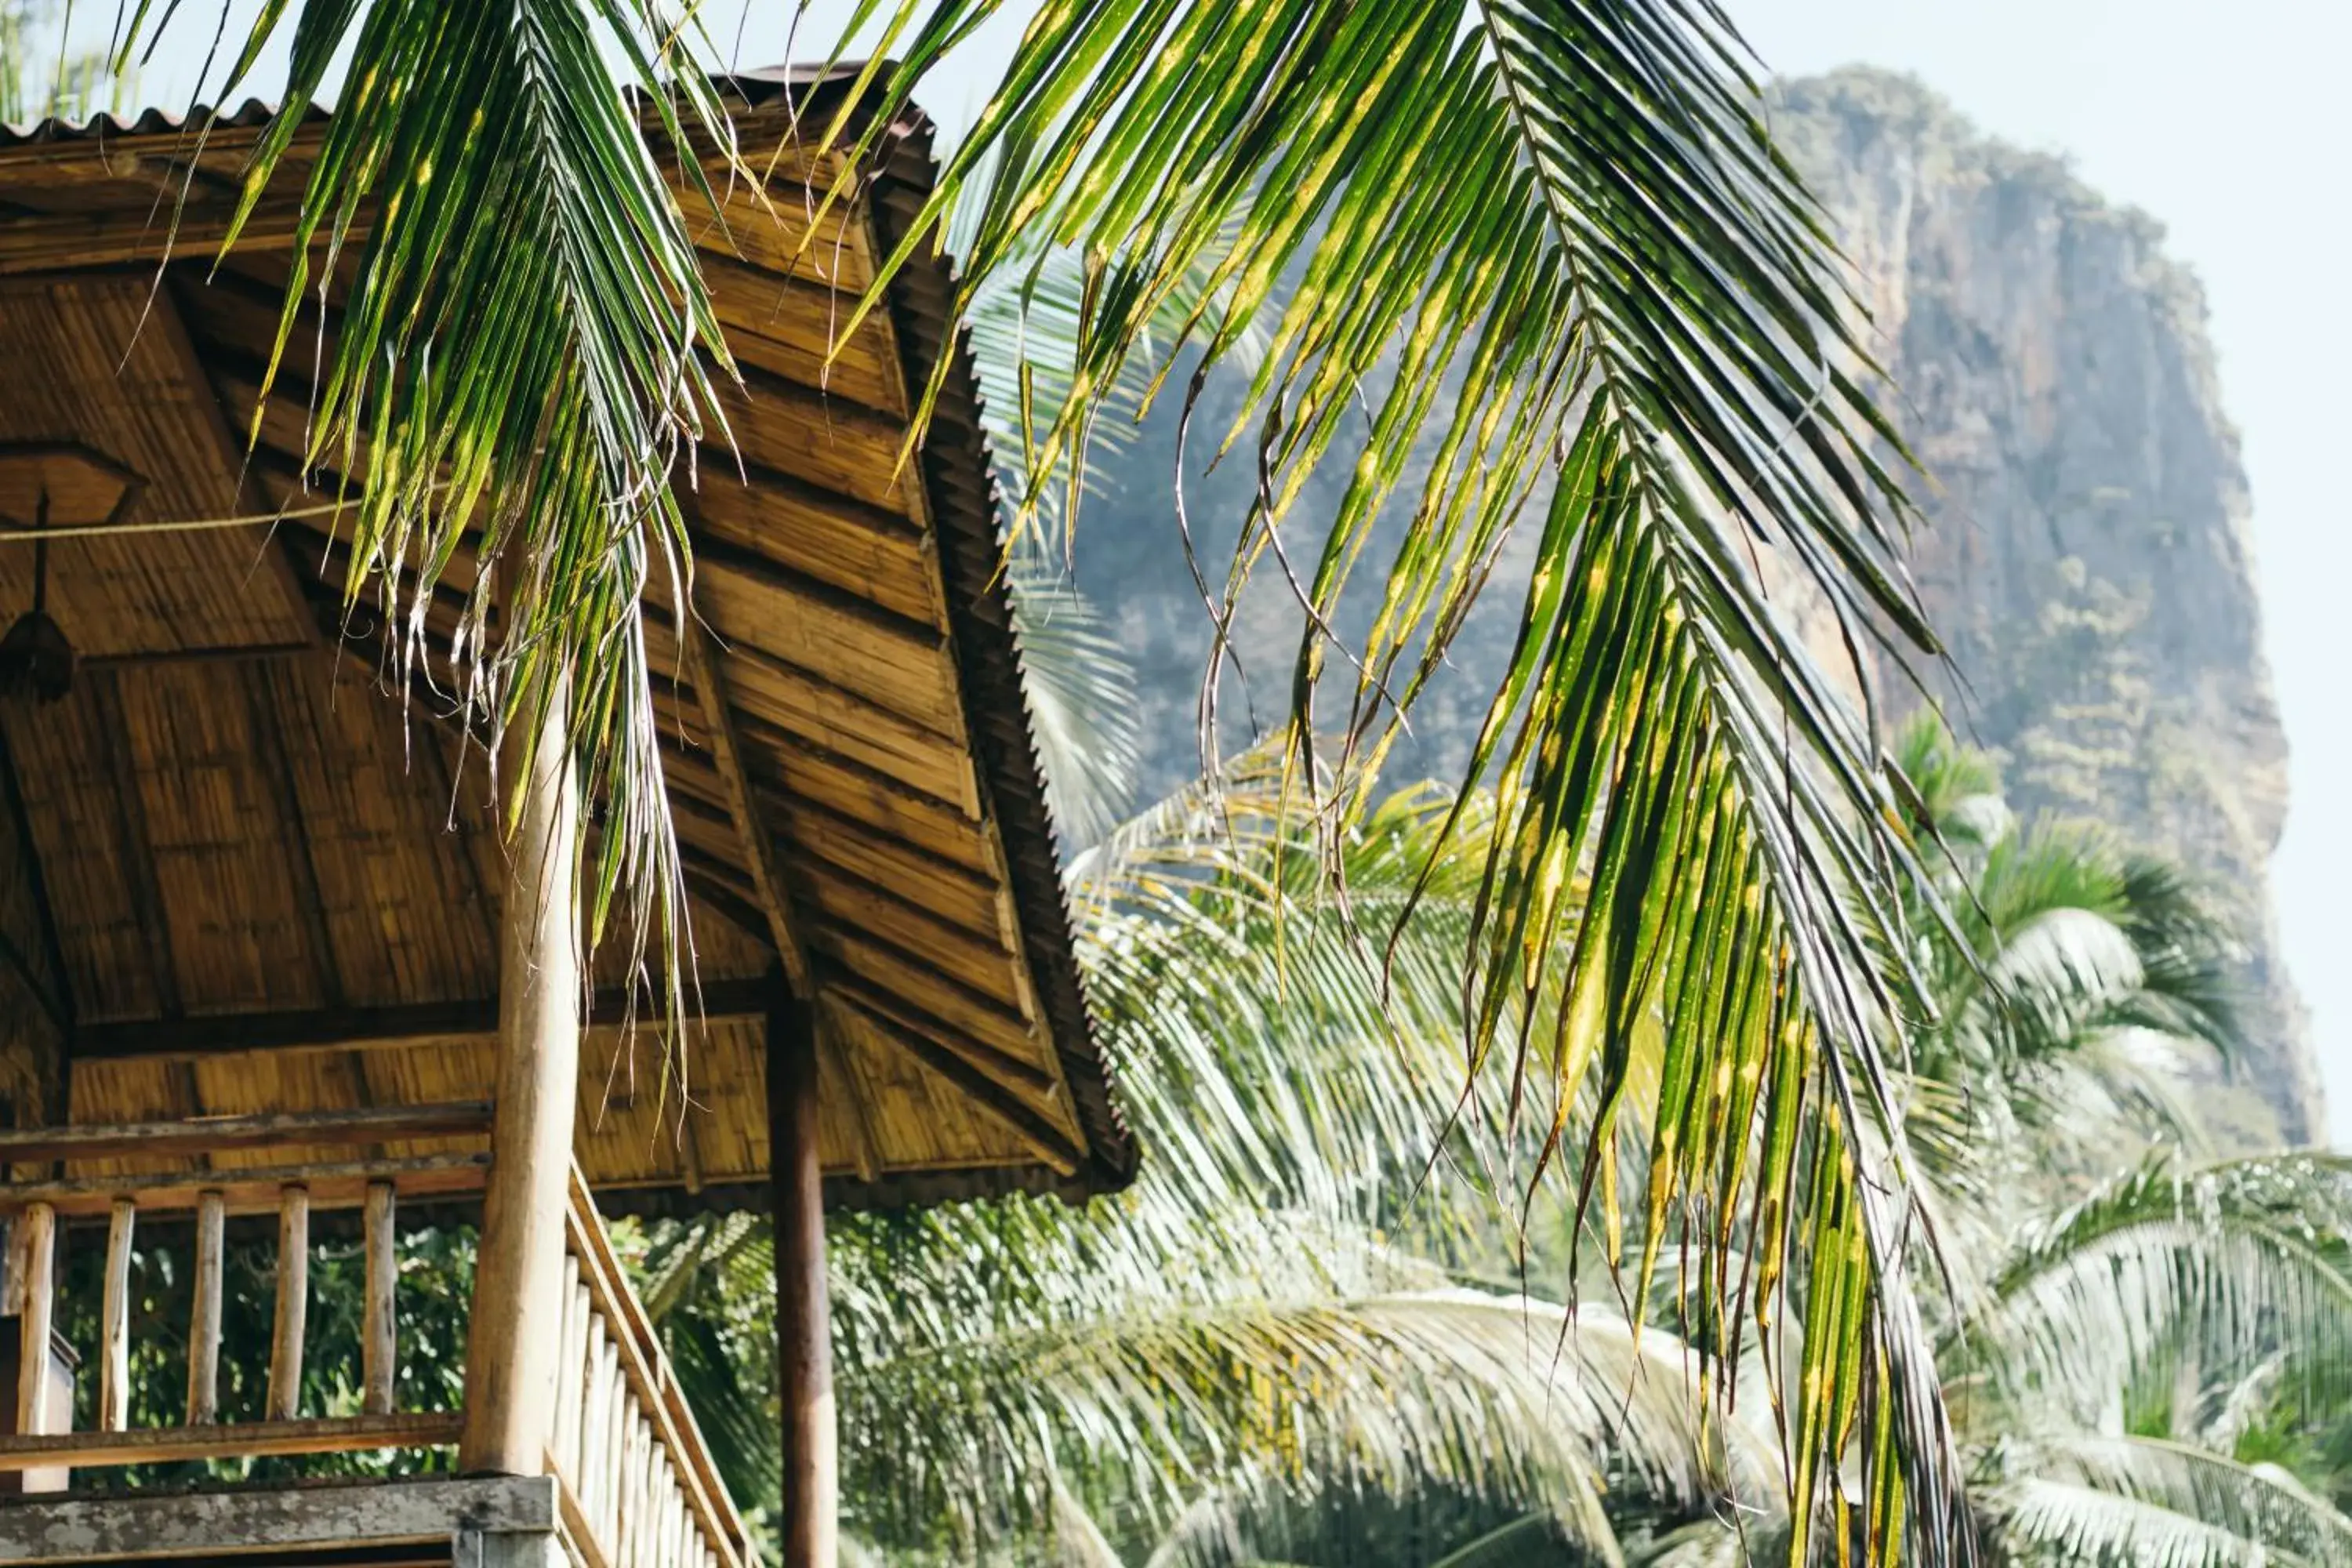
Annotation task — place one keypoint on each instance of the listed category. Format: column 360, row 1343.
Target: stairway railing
column 639, row 1489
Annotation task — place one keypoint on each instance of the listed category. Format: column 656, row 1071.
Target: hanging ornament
column 36, row 659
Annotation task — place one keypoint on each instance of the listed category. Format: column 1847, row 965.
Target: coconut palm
column 2079, row 989
column 1248, row 1330
column 1552, row 234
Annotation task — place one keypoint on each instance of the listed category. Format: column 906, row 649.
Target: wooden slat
column 571, row 1372
column 205, row 1326
column 775, row 233
column 37, row 1245
column 55, row 243
column 285, row 1396
column 758, row 846
column 379, row 1349
column 114, row 1321
column 260, row 1440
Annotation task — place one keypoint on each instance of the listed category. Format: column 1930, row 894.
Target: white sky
column 2226, row 122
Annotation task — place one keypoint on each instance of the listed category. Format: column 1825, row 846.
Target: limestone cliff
column 2089, row 560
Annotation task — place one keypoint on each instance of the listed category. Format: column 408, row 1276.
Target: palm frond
column 1551, row 235
column 2229, row 1261
column 1083, row 700
column 524, row 359
column 2142, row 1502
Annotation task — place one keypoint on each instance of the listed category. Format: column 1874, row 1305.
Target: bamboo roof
column 238, row 872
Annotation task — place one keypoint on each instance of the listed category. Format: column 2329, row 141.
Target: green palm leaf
column 1550, row 236
column 522, row 361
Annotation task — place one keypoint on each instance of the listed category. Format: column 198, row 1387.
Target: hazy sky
column 2226, row 122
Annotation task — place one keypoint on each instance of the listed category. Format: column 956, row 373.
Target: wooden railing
column 637, row 1486
column 44, row 1446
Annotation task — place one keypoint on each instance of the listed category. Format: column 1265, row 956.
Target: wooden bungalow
column 253, row 904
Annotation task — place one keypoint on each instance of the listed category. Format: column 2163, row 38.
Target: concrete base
column 493, row 1522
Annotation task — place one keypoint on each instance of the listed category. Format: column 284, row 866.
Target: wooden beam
column 256, row 1524
column 33, row 1145
column 371, row 1028
column 56, row 242
column 256, row 1440
column 759, row 845
column 256, row 1191
column 515, row 1331
column 1023, row 1076
column 812, row 1477
column 767, row 871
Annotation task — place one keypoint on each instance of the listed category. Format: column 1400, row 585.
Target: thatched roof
column 238, row 873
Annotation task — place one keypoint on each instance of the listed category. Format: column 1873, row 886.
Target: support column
column 803, row 1309
column 515, row 1332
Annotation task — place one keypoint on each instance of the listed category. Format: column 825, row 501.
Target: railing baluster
column 666, row 1522
column 293, row 1303
column 587, row 1472
column 648, row 1500
column 38, row 1228
column 114, row 1321
column 563, row 1424
column 608, row 1468
column 632, row 1481
column 379, row 1354
column 204, row 1323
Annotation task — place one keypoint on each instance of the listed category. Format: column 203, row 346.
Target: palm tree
column 1553, row 236
column 1254, row 1326
column 1183, row 1381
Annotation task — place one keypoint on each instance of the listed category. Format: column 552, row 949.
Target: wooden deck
column 502, row 1521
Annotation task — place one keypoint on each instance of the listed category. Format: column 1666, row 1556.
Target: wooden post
column 517, row 1328
column 205, row 1321
column 379, row 1350
column 39, row 1231
column 293, row 1303
column 804, row 1310
column 114, row 1321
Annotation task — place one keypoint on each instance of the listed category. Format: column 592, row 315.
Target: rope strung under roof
column 175, row 525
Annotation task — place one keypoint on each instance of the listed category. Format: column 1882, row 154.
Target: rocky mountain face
column 2089, row 557
column 2088, row 553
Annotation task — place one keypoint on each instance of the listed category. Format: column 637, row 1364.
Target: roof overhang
column 242, row 872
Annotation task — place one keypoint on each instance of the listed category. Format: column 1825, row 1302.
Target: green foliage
column 1566, row 218
column 40, row 77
